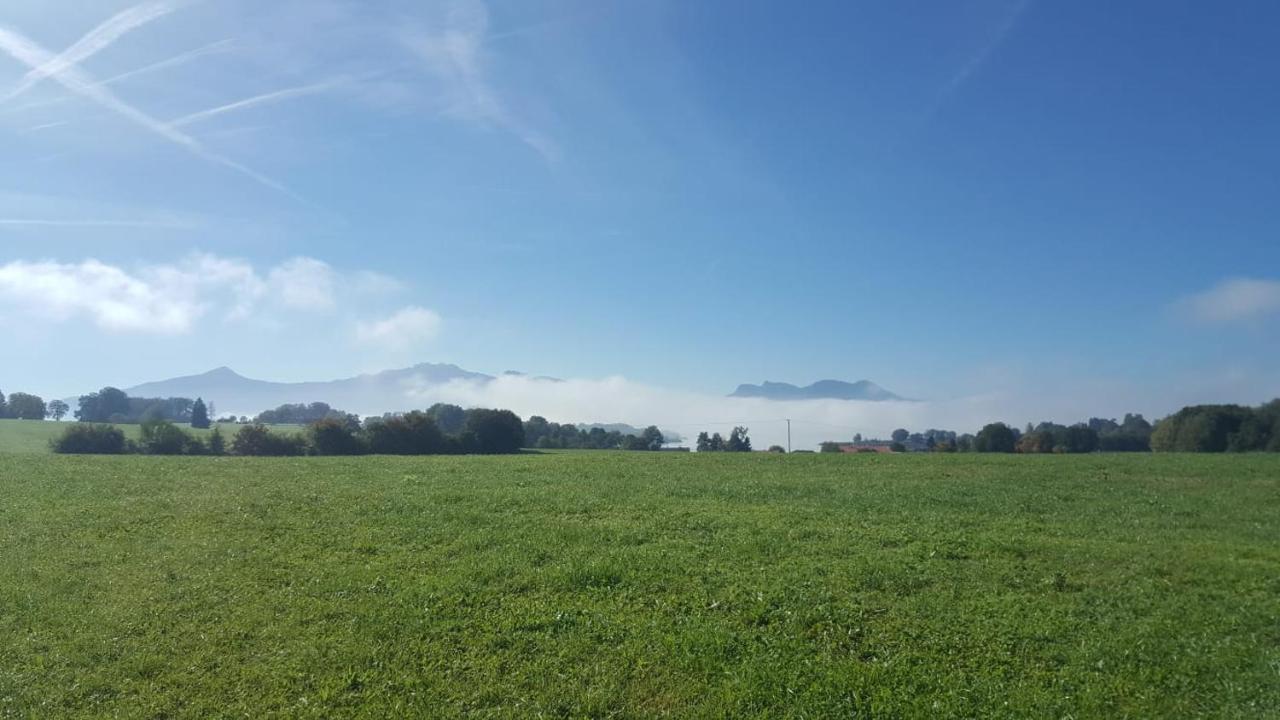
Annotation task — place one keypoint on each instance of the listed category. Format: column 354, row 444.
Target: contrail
column 210, row 49
column 34, row 56
column 220, row 46
column 256, row 100
column 31, row 222
column 94, row 42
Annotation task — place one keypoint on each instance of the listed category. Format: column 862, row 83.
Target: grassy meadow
column 27, row 436
column 601, row 584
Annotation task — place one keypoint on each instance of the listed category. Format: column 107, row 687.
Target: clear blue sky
column 949, row 198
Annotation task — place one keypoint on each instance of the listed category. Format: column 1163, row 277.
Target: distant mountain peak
column 821, row 390
column 222, row 372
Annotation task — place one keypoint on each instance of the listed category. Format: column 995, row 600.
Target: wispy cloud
column 984, row 53
column 72, row 78
column 455, row 55
column 1238, row 300
column 91, row 44
column 264, row 99
column 47, row 126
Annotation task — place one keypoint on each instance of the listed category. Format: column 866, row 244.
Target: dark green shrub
column 258, row 440
column 161, row 437
column 85, row 439
column 217, row 443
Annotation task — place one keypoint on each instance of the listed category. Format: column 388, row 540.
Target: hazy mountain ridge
column 821, row 390
column 387, row 391
column 671, row 436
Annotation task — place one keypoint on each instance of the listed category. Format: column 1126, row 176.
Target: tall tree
column 199, row 414
column 57, row 410
column 995, row 438
column 25, row 406
column 103, row 405
column 900, row 435
column 4, row 407
column 494, row 431
column 739, row 441
column 652, row 438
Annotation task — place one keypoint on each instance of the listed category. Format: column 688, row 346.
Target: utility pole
column 788, row 436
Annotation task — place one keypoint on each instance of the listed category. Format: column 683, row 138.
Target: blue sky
column 1060, row 204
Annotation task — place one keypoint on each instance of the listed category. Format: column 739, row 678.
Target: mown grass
column 28, row 436
column 634, row 585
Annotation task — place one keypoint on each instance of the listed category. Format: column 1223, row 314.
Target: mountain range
column 373, row 394
column 821, row 390
column 394, row 390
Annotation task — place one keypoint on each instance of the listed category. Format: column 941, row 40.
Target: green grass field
column 25, row 436
column 635, row 585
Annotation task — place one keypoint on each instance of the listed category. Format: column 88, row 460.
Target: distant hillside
column 821, row 390
column 387, row 391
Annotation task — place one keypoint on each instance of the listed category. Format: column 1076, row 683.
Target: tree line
column 738, row 441
column 481, row 431
column 25, row 406
column 1220, row 428
column 1133, row 434
column 301, row 414
column 445, row 428
column 442, row 429
column 539, row 433
column 1196, row 428
column 113, row 405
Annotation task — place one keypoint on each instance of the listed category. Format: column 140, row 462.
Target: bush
column 258, row 440
column 217, row 443
column 334, row 437
column 84, row 439
column 161, row 437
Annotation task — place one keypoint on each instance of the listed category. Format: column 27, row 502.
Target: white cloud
column 165, row 298
column 407, row 328
column 111, row 297
column 304, row 284
column 1234, row 301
